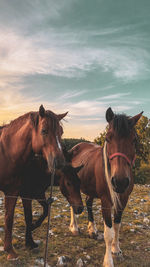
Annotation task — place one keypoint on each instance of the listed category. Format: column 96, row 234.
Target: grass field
column 134, row 236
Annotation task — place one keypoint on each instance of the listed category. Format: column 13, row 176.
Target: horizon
column 76, row 56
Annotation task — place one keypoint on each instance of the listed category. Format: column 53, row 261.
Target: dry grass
column 134, row 236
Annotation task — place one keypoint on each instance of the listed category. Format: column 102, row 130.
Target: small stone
column 51, row 232
column 132, row 230
column 62, row 261
column 88, row 257
column 38, row 242
column 36, row 213
column 40, row 261
column 57, row 216
column 146, row 220
column 1, row 229
column 79, row 263
column 100, row 236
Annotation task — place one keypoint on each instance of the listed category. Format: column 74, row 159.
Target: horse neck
column 17, row 143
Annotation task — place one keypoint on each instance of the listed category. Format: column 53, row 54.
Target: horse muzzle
column 55, row 162
column 120, row 185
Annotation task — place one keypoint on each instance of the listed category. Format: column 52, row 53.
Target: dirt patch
column 134, row 235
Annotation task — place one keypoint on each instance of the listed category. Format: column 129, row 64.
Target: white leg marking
column 92, row 228
column 108, row 237
column 115, row 244
column 73, row 224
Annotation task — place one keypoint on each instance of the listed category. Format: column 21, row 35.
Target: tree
column 68, row 143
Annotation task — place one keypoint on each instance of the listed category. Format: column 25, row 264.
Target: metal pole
column 49, row 201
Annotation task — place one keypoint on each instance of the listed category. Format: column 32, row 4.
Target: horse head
column 70, row 186
column 46, row 136
column 120, row 148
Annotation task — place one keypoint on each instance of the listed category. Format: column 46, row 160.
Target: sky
column 80, row 56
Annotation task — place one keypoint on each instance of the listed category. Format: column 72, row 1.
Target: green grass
column 135, row 243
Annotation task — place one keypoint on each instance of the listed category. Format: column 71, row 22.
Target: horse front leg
column 44, row 204
column 116, row 251
column 10, row 203
column 92, row 230
column 27, row 204
column 108, row 234
column 73, row 224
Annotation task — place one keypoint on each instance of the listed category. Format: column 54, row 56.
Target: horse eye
column 68, row 183
column 44, row 132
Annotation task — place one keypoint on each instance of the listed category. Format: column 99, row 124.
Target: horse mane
column 15, row 124
column 114, row 196
column 122, row 124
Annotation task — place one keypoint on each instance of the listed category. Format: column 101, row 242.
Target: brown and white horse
column 38, row 132
column 107, row 174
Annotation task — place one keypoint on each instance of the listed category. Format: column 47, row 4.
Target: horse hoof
column 117, row 255
column 75, row 233
column 32, row 245
column 93, row 236
column 12, row 256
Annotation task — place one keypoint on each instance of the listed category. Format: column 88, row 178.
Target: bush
column 142, row 175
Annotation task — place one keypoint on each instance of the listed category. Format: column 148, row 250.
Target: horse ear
column 61, row 116
column 41, row 111
column 77, row 169
column 136, row 118
column 34, row 119
column 109, row 115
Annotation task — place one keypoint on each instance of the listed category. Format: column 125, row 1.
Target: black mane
column 122, row 124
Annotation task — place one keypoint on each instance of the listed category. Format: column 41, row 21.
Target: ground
column 134, row 237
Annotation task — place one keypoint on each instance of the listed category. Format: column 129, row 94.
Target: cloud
column 72, row 94
column 115, row 96
column 59, row 54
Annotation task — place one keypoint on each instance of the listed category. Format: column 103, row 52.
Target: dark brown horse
column 35, row 131
column 107, row 174
column 36, row 180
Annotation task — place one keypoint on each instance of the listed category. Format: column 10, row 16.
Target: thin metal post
column 49, row 201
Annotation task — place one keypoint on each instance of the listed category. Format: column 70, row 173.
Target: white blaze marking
column 58, row 143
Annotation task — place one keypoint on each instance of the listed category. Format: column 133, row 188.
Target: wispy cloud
column 72, row 94
column 115, row 96
column 27, row 55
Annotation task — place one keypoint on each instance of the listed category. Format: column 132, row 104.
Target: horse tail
column 114, row 196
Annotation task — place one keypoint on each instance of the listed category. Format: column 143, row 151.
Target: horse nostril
column 113, row 181
column 126, row 182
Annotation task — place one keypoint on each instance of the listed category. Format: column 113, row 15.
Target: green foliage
column 68, row 143
column 142, row 174
column 99, row 140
